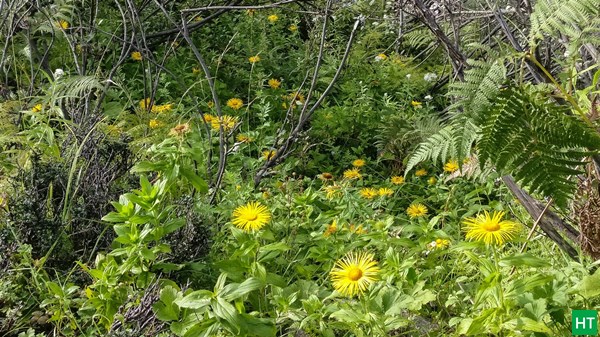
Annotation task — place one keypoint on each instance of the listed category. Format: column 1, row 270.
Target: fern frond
column 554, row 17
column 454, row 141
column 481, row 84
column 75, row 87
column 536, row 140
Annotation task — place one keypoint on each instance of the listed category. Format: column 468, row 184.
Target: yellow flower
column 431, row 181
column 332, row 191
column 62, row 24
column 331, row 229
column 416, row 104
column 272, row 18
column 268, row 154
column 251, row 217
column 198, row 18
column 144, row 103
column 357, row 230
column 274, row 83
column 136, row 56
column 490, row 229
column 37, row 108
column 358, row 163
column 162, row 108
column 180, row 130
column 209, row 118
column 354, row 273
column 154, row 123
column 353, row 173
column 326, row 176
column 250, row 12
column 421, row 172
column 293, row 28
column 254, row 59
column 243, row 138
column 416, row 210
column 210, row 104
column 235, row 103
column 441, row 243
column 196, row 70
column 385, row 192
column 228, row 123
column 381, row 57
column 451, row 166
column 397, row 180
column 368, row 193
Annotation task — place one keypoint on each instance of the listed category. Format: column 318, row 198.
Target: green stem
column 568, row 97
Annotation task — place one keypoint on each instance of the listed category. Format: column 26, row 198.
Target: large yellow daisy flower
column 235, row 103
column 490, row 229
column 385, row 192
column 352, row 173
column 251, row 217
column 368, row 193
column 354, row 273
column 416, row 210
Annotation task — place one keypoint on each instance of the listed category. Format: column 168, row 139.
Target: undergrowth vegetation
column 322, row 168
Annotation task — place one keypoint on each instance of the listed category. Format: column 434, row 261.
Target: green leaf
column 226, row 311
column 165, row 309
column 198, row 183
column 525, row 259
column 589, row 287
column 233, row 291
column 195, row 300
column 527, row 324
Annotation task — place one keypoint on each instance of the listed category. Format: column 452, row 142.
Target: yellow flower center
column 355, row 273
column 252, row 217
column 491, row 226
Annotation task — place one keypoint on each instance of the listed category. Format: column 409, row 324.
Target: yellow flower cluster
column 154, row 123
column 144, row 103
column 228, row 122
column 273, row 18
column 370, row 193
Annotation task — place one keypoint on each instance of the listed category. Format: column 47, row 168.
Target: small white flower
column 58, row 73
column 567, row 54
column 428, row 98
column 408, row 75
column 429, row 77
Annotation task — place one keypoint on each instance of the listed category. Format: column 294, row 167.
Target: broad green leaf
column 525, row 259
column 195, row 300
column 233, row 291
